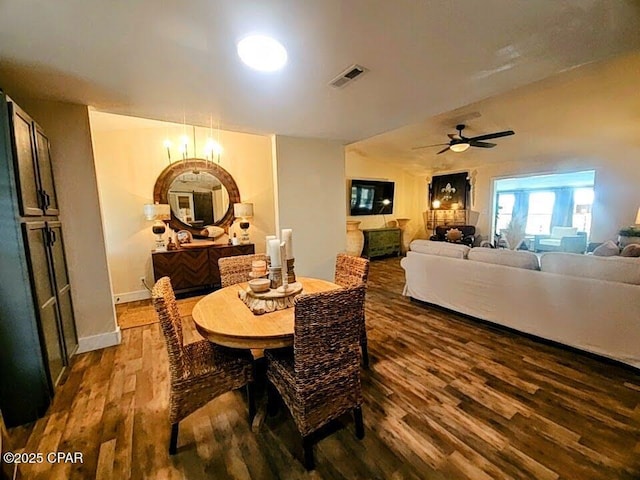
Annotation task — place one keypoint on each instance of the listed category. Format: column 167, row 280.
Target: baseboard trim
column 131, row 296
column 96, row 342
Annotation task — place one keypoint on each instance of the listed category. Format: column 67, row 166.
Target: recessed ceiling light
column 262, row 53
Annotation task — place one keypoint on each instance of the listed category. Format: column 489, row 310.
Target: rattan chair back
column 350, row 270
column 326, row 343
column 236, row 269
column 164, row 302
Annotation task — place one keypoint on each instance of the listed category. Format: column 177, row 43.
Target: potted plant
column 514, row 234
column 628, row 235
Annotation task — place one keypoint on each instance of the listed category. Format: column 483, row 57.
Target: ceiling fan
column 459, row 143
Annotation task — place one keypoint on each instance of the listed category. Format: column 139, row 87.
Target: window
column 545, row 201
column 506, row 202
column 540, row 212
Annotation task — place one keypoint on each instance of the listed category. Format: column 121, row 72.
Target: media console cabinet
column 195, row 268
column 379, row 242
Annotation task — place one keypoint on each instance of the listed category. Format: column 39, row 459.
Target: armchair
column 468, row 233
column 562, row 239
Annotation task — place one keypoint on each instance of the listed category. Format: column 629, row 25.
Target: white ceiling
column 176, row 61
column 593, row 110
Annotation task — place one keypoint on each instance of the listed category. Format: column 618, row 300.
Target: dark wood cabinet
column 30, row 145
column 37, row 244
column 48, row 200
column 62, row 287
column 37, row 327
column 192, row 269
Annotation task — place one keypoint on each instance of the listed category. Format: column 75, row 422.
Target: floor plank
column 446, row 397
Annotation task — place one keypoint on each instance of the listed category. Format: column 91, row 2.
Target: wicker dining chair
column 320, row 379
column 351, row 271
column 236, row 269
column 199, row 371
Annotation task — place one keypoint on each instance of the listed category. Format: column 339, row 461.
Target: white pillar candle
column 274, row 252
column 287, row 237
column 266, row 243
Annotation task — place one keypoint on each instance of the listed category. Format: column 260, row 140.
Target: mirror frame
column 173, row 171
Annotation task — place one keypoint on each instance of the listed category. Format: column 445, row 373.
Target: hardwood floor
column 445, row 397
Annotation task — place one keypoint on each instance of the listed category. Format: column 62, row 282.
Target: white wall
column 311, row 200
column 67, row 126
column 410, row 193
column 129, row 155
column 617, row 196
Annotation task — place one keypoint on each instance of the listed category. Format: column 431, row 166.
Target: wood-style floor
column 445, row 397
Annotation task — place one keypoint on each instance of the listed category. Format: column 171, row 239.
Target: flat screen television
column 371, row 197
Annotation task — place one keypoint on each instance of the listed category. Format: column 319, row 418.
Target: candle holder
column 284, row 274
column 291, row 274
column 275, row 275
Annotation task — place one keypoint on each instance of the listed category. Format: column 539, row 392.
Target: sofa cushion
column 550, row 242
column 509, row 258
column 612, row 269
column 631, row 250
column 443, row 249
column 559, row 232
column 607, row 249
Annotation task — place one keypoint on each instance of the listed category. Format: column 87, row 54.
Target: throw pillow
column 631, row 250
column 212, row 231
column 607, row 249
column 454, row 235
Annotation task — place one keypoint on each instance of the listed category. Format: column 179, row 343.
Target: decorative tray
column 271, row 300
column 198, row 244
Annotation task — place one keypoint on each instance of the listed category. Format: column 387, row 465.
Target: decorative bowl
column 259, row 285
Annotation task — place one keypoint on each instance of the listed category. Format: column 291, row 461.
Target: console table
column 379, row 242
column 196, row 268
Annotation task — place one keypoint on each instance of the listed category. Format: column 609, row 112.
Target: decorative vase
column 406, row 238
column 355, row 238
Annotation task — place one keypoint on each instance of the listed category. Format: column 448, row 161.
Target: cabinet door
column 25, row 162
column 62, row 287
column 186, row 268
column 47, row 187
column 36, row 240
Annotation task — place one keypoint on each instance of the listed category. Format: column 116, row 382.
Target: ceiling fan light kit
column 459, row 143
column 459, row 147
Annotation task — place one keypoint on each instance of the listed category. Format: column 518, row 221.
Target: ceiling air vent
column 351, row 73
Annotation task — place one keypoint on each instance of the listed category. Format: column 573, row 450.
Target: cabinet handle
column 43, row 199
column 50, row 236
column 47, row 201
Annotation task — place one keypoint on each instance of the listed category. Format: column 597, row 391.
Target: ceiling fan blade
column 482, row 144
column 442, row 151
column 427, row 146
column 489, row 136
column 453, row 136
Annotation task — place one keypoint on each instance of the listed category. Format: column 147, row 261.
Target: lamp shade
column 157, row 211
column 638, row 217
column 243, row 210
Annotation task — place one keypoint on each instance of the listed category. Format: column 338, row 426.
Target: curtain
column 562, row 215
column 521, row 206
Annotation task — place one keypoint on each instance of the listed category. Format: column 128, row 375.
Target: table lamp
column 160, row 213
column 243, row 211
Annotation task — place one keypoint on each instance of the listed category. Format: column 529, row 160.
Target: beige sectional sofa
column 587, row 302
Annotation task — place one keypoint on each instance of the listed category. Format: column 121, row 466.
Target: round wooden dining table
column 223, row 318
